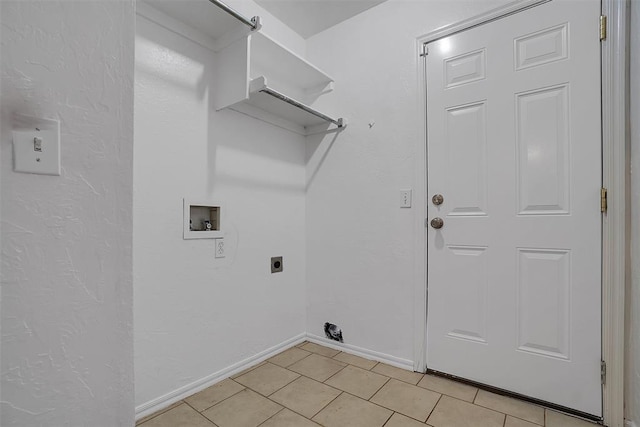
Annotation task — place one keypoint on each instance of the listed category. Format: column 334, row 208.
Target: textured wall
column 360, row 244
column 633, row 291
column 67, row 349
column 194, row 314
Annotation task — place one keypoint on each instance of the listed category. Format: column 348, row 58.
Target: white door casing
column 514, row 291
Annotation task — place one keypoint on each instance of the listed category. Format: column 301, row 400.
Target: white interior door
column 514, row 148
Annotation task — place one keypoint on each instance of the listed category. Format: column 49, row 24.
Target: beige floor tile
column 319, row 349
column 181, row 416
column 286, row 418
column 397, row 373
column 399, row 420
column 155, row 414
column 241, row 373
column 317, row 367
column 516, row 422
column 289, row 357
column 302, row 344
column 449, row 387
column 409, row 400
column 556, row 419
column 357, row 381
column 267, row 379
column 450, row 412
column 517, row 408
column 305, row 396
column 214, row 394
column 244, row 409
column 358, row 361
column 352, row 411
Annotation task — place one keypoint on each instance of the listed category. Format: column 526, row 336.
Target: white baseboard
column 185, row 391
column 629, row 423
column 362, row 352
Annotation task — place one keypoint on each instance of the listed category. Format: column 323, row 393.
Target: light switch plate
column 36, row 145
column 405, row 198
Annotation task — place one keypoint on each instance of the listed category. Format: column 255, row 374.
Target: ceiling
column 309, row 17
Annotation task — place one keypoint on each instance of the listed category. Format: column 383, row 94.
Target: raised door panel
column 542, row 47
column 543, row 308
column 466, row 296
column 542, row 132
column 466, row 159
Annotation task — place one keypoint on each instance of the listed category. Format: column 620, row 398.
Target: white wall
column 360, row 244
column 632, row 367
column 67, row 350
column 195, row 315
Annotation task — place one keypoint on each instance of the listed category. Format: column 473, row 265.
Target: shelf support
column 338, row 122
column 254, row 22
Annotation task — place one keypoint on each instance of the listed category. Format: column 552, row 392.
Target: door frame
column 615, row 172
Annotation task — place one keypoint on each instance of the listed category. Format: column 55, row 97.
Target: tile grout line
column 372, row 396
column 158, row 413
column 387, row 422
column 282, row 409
column 393, row 410
column 298, row 376
column 200, row 413
column 475, row 396
column 246, row 371
column 323, row 408
column 514, row 416
column 366, row 369
column 390, row 416
column 341, row 392
column 293, row 410
column 398, row 379
column 297, row 361
column 226, row 398
column 544, row 410
column 333, row 375
column 434, row 408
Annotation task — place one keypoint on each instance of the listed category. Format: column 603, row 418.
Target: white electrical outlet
column 405, row 198
column 219, row 248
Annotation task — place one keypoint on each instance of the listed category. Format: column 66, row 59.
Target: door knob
column 437, row 199
column 437, row 223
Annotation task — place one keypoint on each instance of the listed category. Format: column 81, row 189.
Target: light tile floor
column 311, row 385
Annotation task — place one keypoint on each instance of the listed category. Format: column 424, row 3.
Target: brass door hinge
column 603, row 27
column 424, row 50
column 603, row 199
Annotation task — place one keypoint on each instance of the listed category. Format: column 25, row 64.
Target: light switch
column 405, row 198
column 36, row 145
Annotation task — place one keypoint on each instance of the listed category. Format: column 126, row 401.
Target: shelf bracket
column 338, row 122
column 260, row 85
column 254, row 22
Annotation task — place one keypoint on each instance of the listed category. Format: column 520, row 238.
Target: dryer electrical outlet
column 276, row 264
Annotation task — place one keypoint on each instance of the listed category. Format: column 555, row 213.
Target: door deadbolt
column 437, row 199
column 437, row 223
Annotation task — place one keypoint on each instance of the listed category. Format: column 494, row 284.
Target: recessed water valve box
column 202, row 220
